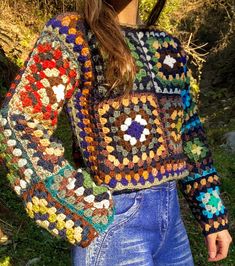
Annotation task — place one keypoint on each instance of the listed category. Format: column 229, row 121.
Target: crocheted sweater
column 150, row 136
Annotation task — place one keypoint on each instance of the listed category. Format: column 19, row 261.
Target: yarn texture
column 150, row 136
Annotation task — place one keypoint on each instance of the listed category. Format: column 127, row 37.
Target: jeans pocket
column 126, row 205
column 124, row 202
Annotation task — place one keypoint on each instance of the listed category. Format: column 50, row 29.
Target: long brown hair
column 120, row 65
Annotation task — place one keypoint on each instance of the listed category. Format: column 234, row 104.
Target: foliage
column 5, row 261
column 166, row 20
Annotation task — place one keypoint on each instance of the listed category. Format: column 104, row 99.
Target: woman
column 135, row 123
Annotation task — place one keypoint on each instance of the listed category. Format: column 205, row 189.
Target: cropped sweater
column 150, row 136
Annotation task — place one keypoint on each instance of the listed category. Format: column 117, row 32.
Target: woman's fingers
column 222, row 253
column 211, row 245
column 218, row 245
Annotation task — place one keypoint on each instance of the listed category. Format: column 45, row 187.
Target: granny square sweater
column 150, row 136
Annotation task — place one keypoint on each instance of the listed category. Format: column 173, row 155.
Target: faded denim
column 148, row 230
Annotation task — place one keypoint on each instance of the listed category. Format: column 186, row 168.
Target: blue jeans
column 147, row 230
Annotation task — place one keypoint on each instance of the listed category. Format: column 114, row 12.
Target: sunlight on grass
column 5, row 261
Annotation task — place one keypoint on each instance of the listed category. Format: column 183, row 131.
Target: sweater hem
column 119, row 187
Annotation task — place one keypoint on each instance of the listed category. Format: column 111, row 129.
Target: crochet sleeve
column 201, row 187
column 61, row 199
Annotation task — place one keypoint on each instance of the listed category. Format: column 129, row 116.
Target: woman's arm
column 60, row 198
column 202, row 186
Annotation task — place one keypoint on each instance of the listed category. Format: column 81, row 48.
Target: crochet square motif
column 132, row 139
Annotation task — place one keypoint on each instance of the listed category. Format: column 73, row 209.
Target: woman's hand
column 218, row 245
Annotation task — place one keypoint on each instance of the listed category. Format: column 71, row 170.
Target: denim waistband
column 171, row 184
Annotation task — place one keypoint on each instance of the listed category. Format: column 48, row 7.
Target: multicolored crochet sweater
column 137, row 141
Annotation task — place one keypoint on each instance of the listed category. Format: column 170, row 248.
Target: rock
column 229, row 138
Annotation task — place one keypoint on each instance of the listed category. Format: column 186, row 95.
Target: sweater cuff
column 215, row 225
